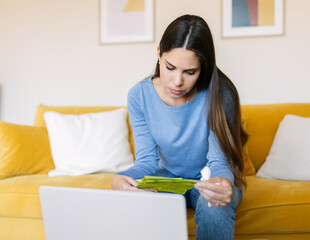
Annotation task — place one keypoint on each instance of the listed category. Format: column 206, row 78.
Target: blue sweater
column 172, row 141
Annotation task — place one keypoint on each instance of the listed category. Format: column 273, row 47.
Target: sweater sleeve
column 217, row 161
column 146, row 154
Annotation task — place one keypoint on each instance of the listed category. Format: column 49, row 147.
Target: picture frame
column 245, row 18
column 126, row 21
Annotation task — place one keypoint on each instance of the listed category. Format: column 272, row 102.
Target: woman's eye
column 169, row 68
column 191, row 73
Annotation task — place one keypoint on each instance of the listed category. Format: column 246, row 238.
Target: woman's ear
column 158, row 53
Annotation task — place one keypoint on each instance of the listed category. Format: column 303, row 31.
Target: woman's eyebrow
column 191, row 69
column 169, row 63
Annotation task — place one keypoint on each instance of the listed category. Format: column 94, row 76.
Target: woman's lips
column 176, row 92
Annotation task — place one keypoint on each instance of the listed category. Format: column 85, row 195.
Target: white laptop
column 81, row 213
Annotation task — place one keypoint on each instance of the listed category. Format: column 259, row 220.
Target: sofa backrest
column 262, row 122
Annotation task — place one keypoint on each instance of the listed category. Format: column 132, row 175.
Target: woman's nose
column 178, row 81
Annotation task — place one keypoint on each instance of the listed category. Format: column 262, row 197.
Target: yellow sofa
column 270, row 209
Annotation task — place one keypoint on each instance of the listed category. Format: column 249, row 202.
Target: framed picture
column 252, row 17
column 126, row 21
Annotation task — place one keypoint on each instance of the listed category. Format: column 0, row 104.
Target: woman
column 186, row 117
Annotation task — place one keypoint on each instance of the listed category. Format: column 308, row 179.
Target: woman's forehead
column 181, row 57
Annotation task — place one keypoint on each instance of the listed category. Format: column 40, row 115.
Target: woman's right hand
column 125, row 183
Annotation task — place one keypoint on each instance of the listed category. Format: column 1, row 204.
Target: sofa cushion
column 267, row 203
column 39, row 117
column 89, row 143
column 23, row 150
column 289, row 156
column 19, row 196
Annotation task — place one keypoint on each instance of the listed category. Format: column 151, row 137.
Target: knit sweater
column 172, row 141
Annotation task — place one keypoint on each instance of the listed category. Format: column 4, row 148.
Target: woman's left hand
column 217, row 191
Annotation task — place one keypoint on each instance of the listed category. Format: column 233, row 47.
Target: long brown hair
column 224, row 114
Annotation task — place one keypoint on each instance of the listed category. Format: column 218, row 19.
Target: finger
column 218, row 204
column 213, row 197
column 205, row 197
column 131, row 188
column 215, row 188
column 125, row 185
column 213, row 203
column 222, row 181
column 150, row 190
column 134, row 184
column 131, row 181
column 211, row 187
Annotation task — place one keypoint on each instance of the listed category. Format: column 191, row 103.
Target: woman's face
column 179, row 71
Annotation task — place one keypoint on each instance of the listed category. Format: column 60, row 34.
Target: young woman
column 185, row 117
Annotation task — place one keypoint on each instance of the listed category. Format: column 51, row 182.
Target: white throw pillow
column 89, row 143
column 289, row 156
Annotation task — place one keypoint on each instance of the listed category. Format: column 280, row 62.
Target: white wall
column 50, row 54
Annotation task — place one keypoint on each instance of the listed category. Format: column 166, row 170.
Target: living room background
column 50, row 54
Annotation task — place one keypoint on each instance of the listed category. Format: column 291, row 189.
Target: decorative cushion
column 40, row 122
column 89, row 143
column 289, row 156
column 23, row 150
